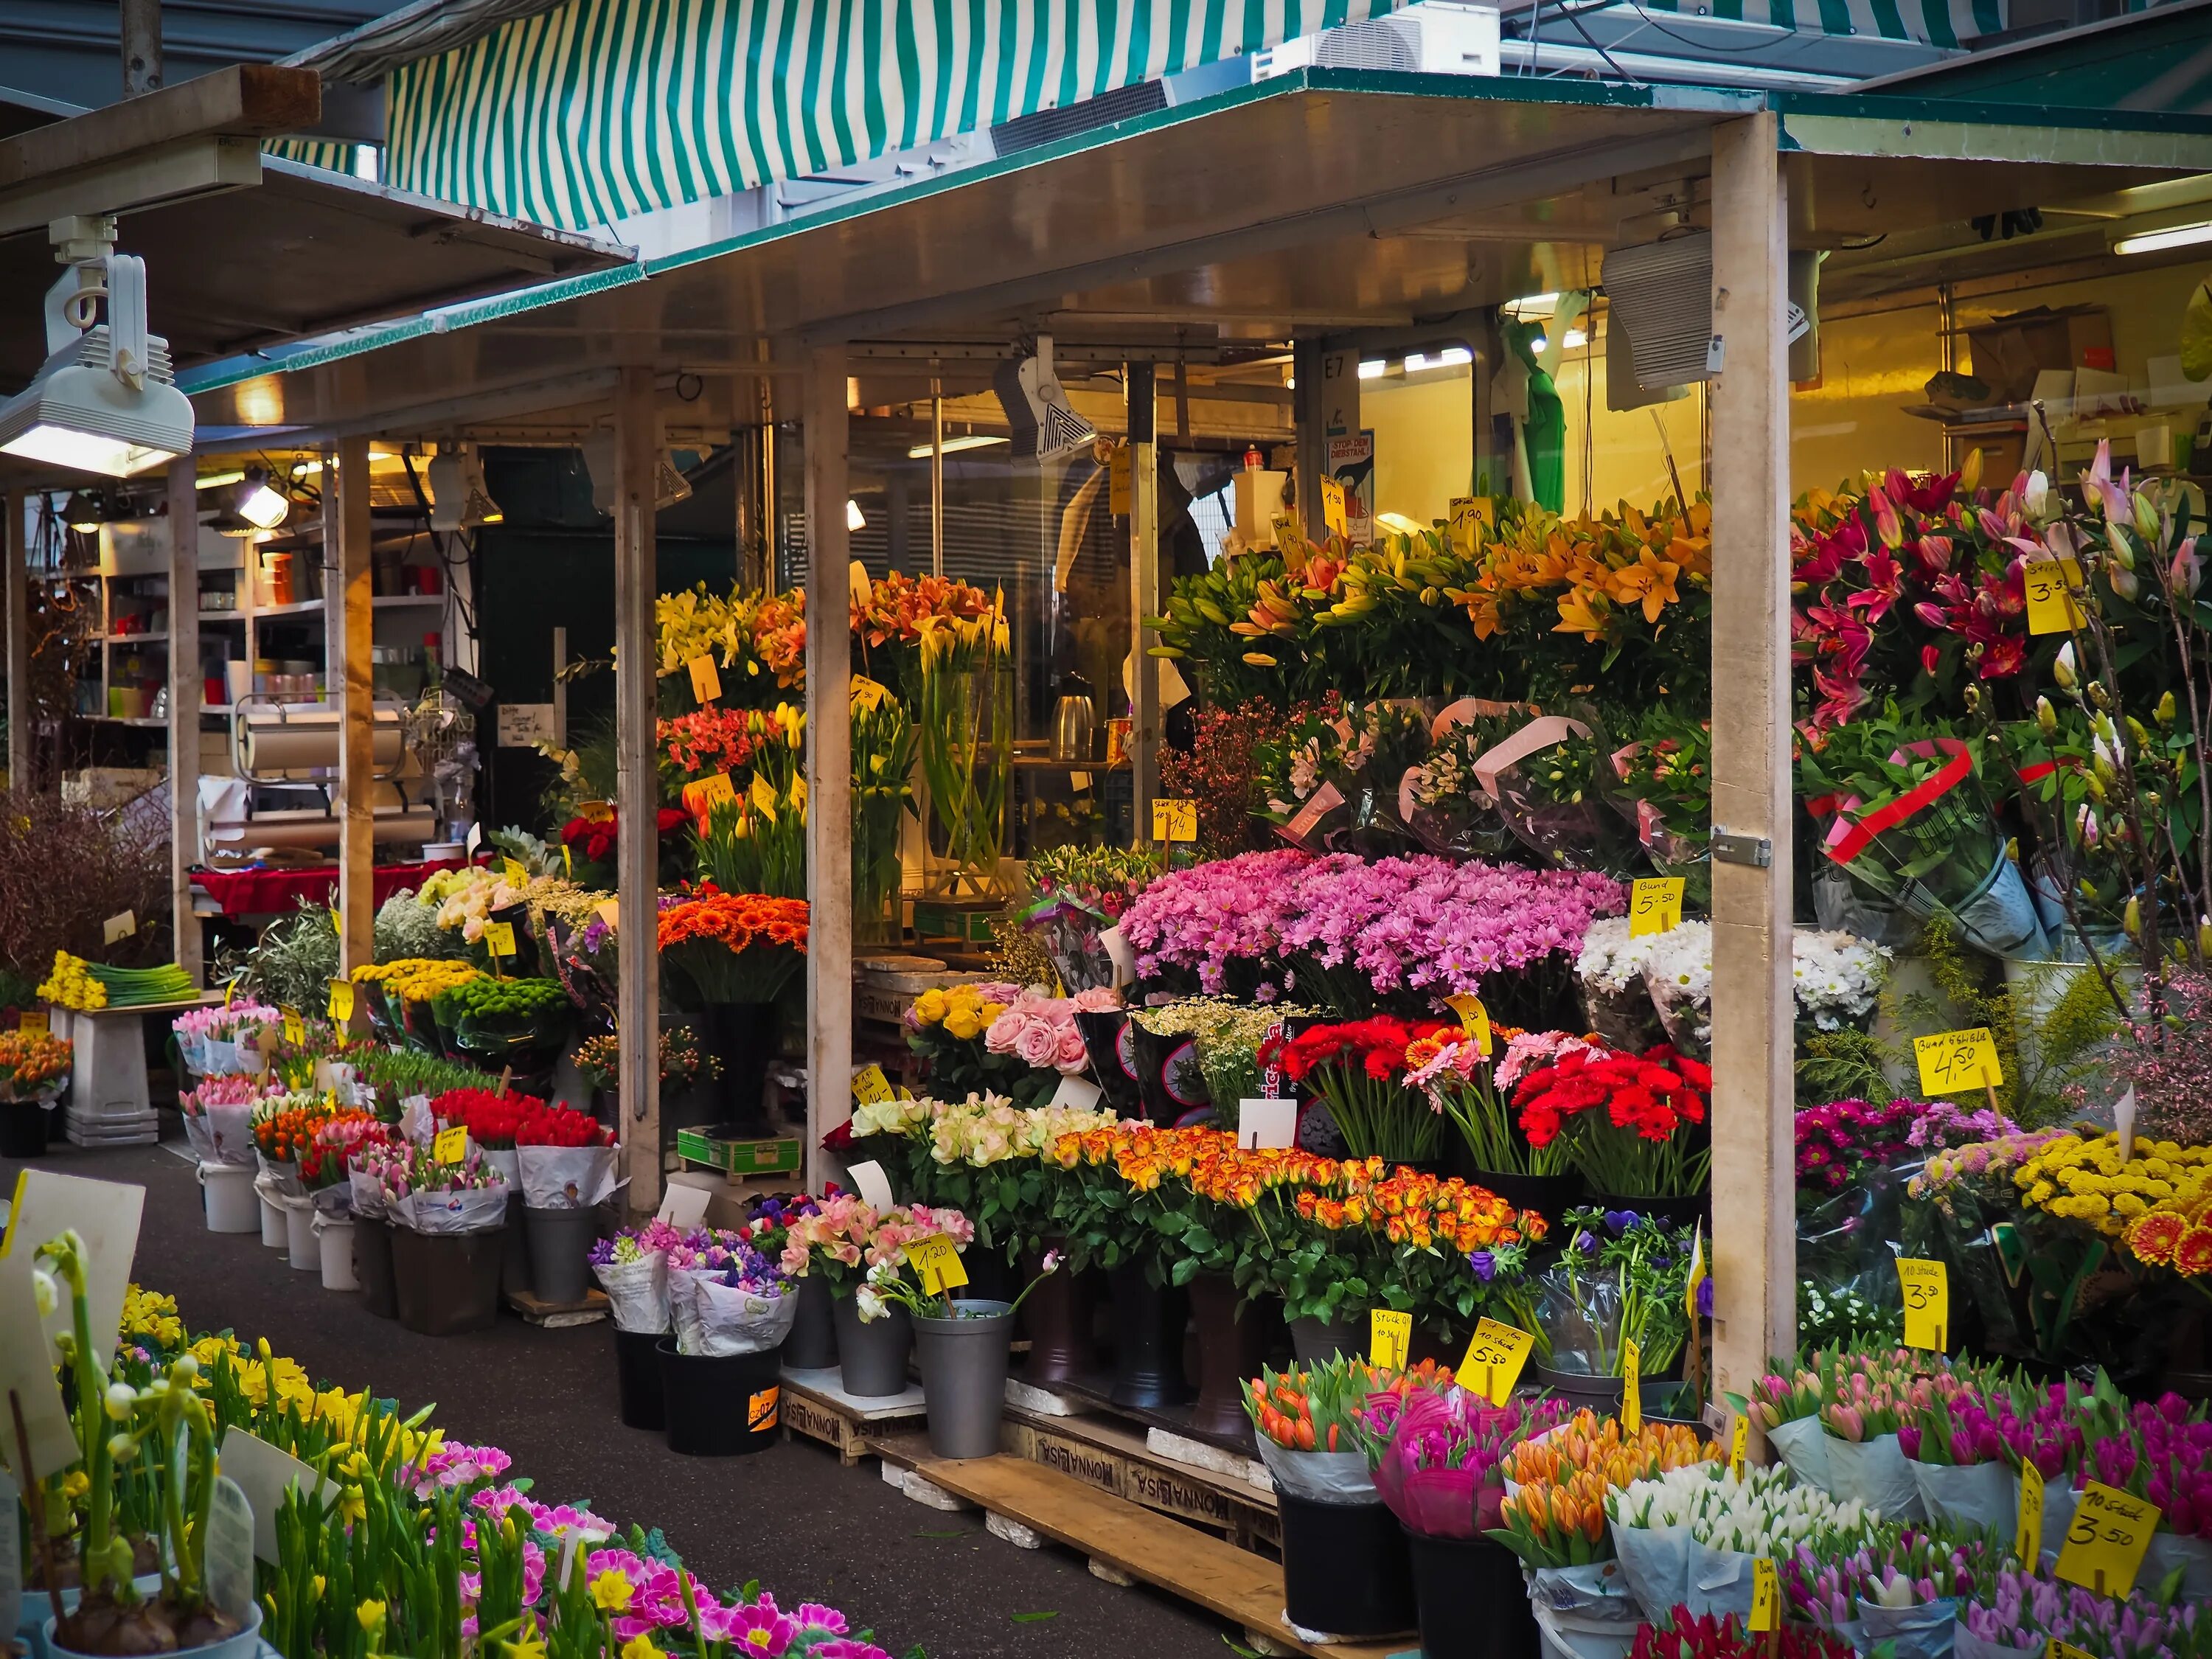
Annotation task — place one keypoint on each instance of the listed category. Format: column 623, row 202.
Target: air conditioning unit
column 1436, row 37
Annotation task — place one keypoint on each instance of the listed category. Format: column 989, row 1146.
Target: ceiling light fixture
column 85, row 513
column 2157, row 241
column 953, row 445
column 1372, row 368
column 259, row 505
column 105, row 400
column 217, row 480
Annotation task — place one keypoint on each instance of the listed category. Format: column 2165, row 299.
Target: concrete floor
column 931, row 1585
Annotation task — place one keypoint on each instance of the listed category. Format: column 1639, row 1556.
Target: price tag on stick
column 2051, row 585
column 1389, row 1335
column 706, row 680
column 341, row 1005
column 1474, row 1020
column 1655, row 906
column 36, row 1022
column 938, row 1262
column 1175, row 820
column 1927, row 1289
column 1765, row 1597
column 2104, row 1548
column 871, row 1085
column 1632, row 1388
column 451, row 1145
column 499, row 938
column 296, row 1029
column 1739, row 1444
column 1955, row 1062
column 1496, row 1353
column 2027, row 1537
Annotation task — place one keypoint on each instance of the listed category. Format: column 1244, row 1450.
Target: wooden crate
column 813, row 1406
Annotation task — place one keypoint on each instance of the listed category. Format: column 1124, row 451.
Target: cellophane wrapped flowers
column 1438, row 1454
column 1682, row 1635
column 1837, row 1142
column 2025, row 1611
column 1557, row 1518
column 1761, row 1512
column 1900, row 1566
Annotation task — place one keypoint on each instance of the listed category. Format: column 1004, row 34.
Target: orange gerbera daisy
column 2193, row 1254
column 2154, row 1237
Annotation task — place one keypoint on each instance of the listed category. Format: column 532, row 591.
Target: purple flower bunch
column 2016, row 1609
column 1945, row 1124
column 749, row 1270
column 2024, row 1424
column 635, row 1244
column 653, row 1597
column 2161, row 1451
column 455, row 1465
column 1836, row 1141
column 1418, row 923
column 1901, row 1565
column 549, row 1522
column 1438, row 1454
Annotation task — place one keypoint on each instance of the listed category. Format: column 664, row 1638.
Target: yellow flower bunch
column 962, row 1010
column 416, row 979
column 697, row 623
column 70, row 984
column 1592, row 569
column 150, row 1319
column 2089, row 1180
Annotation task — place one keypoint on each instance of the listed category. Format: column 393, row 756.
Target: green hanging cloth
column 1544, row 429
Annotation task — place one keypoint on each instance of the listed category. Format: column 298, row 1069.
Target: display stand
column 108, row 1103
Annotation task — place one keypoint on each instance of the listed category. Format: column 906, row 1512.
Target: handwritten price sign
column 703, row 795
column 1632, row 1388
column 1474, row 1020
column 1927, row 1288
column 2028, row 1536
column 871, row 1085
column 1765, row 1597
column 1655, row 906
column 1175, row 820
column 451, row 1145
column 1498, row 1351
column 938, row 1263
column 2051, row 585
column 1952, row 1062
column 1389, row 1335
column 499, row 938
column 341, row 1009
column 2104, row 1548
column 296, row 1029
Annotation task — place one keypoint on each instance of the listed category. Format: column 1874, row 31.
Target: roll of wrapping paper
column 296, row 745
column 239, row 835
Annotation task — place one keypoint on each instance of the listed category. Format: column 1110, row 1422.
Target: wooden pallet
column 1105, row 1453
column 815, row 1406
column 1232, row 1584
column 559, row 1315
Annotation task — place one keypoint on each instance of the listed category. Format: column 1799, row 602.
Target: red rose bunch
column 1638, row 1145
column 540, row 1125
column 490, row 1119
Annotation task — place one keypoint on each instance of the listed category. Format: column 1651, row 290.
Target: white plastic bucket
column 334, row 1237
column 274, row 1232
column 300, row 1234
column 233, row 1205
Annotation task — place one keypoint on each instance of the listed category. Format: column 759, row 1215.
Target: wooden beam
column 1307, row 357
column 184, row 712
column 637, row 788
column 829, row 760
column 353, row 632
column 246, row 100
column 1144, row 594
column 1754, row 1262
column 15, row 565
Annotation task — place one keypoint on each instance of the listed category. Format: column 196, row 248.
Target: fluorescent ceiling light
column 966, row 440
column 1449, row 357
column 854, row 518
column 1533, row 304
column 1576, row 338
column 217, row 480
column 1371, row 368
column 2157, row 241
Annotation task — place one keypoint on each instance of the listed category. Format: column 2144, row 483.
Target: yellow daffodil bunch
column 150, row 1320
column 2088, row 1180
column 70, row 985
column 416, row 979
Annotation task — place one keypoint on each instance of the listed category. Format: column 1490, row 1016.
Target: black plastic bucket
column 720, row 1407
column 371, row 1265
column 638, row 1401
column 446, row 1284
column 1470, row 1598
column 1345, row 1571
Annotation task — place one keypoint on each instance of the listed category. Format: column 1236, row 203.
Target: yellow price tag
column 1333, row 514
column 228, row 991
column 938, row 1263
column 451, row 1145
column 2028, row 1536
column 337, row 922
column 568, row 863
column 499, row 938
column 36, row 1023
column 296, row 1029
column 1632, row 1387
column 2104, row 1548
column 1389, row 1338
column 1765, row 1597
column 871, row 1085
column 763, row 797
column 702, row 795
column 1926, row 1303
column 867, row 694
column 1117, row 481
column 1739, row 1444
column 1496, row 1351
column 608, row 910
column 706, row 681
column 1466, row 516
column 1655, row 906
column 1175, row 820
column 1952, row 1062
column 2055, row 1649
column 1474, row 1020
column 341, row 1007
column 515, row 874
column 2051, row 585
column 1697, row 1276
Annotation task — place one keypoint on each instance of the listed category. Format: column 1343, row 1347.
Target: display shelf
column 136, row 639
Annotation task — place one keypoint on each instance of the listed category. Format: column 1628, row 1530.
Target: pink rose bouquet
column 845, row 1237
column 1041, row 1031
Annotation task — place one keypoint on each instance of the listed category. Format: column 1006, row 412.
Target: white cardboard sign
column 874, row 1186
column 1262, row 1124
column 1077, row 1093
column 684, row 1207
column 264, row 1473
column 106, row 1214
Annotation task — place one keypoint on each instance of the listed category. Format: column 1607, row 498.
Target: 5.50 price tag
column 2104, row 1548
column 1496, row 1352
column 1952, row 1062
column 1655, row 906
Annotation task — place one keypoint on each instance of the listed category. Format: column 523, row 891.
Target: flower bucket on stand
column 963, row 1374
column 449, row 1233
column 632, row 1268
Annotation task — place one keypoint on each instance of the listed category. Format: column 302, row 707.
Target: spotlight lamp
column 259, row 503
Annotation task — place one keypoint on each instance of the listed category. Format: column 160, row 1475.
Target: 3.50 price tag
column 1175, row 820
column 2027, row 1536
column 2104, row 1548
column 1952, row 1062
column 1655, row 906
column 1496, row 1352
column 2051, row 585
column 938, row 1263
column 1927, row 1287
column 1389, row 1337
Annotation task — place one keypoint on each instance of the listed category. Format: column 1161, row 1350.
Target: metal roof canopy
column 1321, row 201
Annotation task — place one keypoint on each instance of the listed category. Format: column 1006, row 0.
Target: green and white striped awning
column 1947, row 23
column 598, row 109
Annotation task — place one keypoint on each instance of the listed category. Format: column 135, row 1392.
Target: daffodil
column 611, row 1591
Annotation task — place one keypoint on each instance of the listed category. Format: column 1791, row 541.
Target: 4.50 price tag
column 1952, row 1062
column 499, row 938
column 1496, row 1352
column 2104, row 1548
column 1655, row 906
column 1927, row 1287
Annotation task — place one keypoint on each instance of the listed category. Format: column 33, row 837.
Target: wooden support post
column 1144, row 594
column 141, row 56
column 1754, row 1263
column 1307, row 360
column 637, row 788
column 23, row 731
column 353, row 633
column 184, row 712
column 829, row 759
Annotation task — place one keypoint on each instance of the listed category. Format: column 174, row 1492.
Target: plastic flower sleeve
column 565, row 1177
column 730, row 1319
column 637, row 1293
column 1874, row 1471
column 1921, row 1632
column 1719, row 1582
column 1803, row 1444
column 1323, row 1477
column 467, row 1210
column 1965, row 1644
column 1972, row 1495
column 1658, row 1562
column 1548, row 792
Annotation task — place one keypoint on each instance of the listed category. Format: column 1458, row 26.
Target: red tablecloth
column 265, row 892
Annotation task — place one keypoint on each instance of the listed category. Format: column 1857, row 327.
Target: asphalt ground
column 930, row 1585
